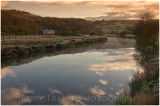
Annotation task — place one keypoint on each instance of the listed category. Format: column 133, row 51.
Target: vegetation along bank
column 144, row 87
column 16, row 48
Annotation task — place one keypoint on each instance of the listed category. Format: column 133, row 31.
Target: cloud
column 119, row 92
column 4, row 4
column 103, row 82
column 55, row 3
column 100, row 69
column 109, row 10
column 7, row 72
column 120, row 61
column 72, row 100
column 59, row 3
column 127, row 10
column 97, row 91
column 54, row 91
column 13, row 96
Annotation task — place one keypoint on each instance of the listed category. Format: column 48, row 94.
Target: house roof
column 47, row 30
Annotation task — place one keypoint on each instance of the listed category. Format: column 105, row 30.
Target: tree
column 93, row 32
column 147, row 30
column 123, row 33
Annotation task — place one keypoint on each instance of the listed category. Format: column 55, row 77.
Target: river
column 96, row 75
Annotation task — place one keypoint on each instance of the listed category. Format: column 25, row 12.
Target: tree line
column 21, row 22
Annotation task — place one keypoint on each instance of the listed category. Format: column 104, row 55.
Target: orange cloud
column 127, row 10
column 97, row 91
column 120, row 62
column 103, row 82
column 111, row 10
column 119, row 92
column 100, row 69
column 124, row 9
column 14, row 95
column 4, row 4
column 72, row 100
column 7, row 72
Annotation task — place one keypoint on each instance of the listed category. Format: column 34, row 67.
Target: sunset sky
column 108, row 10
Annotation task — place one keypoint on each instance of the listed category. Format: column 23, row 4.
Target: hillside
column 21, row 22
column 114, row 27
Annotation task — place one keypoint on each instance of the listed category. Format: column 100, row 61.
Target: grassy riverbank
column 144, row 87
column 14, row 49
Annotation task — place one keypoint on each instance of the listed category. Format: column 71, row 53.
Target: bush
column 123, row 33
column 148, row 50
column 93, row 32
column 146, row 31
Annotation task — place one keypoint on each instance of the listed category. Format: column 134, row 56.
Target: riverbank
column 21, row 48
column 144, row 86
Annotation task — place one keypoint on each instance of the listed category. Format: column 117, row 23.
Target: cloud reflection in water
column 72, row 100
column 97, row 91
column 103, row 82
column 7, row 72
column 122, row 61
column 54, row 91
column 13, row 96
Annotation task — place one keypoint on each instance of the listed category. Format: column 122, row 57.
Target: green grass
column 135, row 86
column 144, row 94
column 28, row 37
column 121, row 101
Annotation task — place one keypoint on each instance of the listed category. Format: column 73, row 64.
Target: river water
column 95, row 76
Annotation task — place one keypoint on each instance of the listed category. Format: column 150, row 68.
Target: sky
column 93, row 10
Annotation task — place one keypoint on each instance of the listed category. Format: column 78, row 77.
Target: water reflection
column 97, row 91
column 72, row 100
column 54, row 91
column 123, row 60
column 103, row 82
column 68, row 77
column 13, row 96
column 7, row 72
column 119, row 92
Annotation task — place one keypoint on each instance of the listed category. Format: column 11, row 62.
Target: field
column 115, row 27
column 16, row 48
column 43, row 39
column 28, row 37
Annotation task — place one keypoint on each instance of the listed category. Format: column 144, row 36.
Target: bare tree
column 146, row 17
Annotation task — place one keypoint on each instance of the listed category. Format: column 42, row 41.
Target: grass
column 135, row 86
column 28, row 37
column 122, row 101
column 46, row 41
column 114, row 27
column 13, row 49
column 144, row 87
